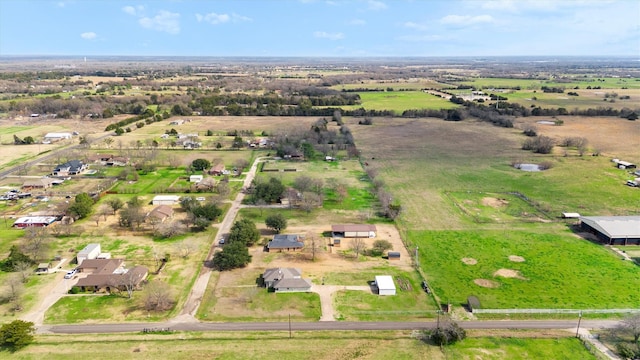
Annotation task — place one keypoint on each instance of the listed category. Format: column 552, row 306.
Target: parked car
column 70, row 274
column 200, row 198
column 221, row 242
column 632, row 183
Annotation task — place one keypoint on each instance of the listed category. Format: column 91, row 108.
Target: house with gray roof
column 285, row 280
column 285, row 242
column 613, row 230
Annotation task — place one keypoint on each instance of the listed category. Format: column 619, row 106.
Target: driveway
column 326, row 298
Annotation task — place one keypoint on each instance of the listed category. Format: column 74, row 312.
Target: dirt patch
column 469, row 261
column 509, row 273
column 493, row 202
column 516, row 258
column 486, row 283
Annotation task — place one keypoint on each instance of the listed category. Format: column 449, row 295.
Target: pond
column 528, row 167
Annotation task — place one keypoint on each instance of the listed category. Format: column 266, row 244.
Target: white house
column 91, row 251
column 195, row 178
column 165, row 199
column 385, row 285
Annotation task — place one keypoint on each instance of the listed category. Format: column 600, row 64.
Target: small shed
column 336, row 242
column 385, row 285
column 89, row 252
column 570, row 215
column 354, row 231
column 43, row 268
column 393, row 255
column 165, row 199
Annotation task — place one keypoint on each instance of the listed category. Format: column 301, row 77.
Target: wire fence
column 555, row 311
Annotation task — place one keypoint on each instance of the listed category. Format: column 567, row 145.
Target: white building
column 166, row 199
column 91, row 251
column 385, row 285
column 57, row 136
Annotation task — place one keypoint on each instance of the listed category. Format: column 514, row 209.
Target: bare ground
column 509, row 273
column 486, row 283
column 469, row 261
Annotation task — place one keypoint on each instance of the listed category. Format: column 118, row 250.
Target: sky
column 320, row 28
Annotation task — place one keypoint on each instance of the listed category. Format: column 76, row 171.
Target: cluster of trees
column 446, row 333
column 16, row 335
column 268, row 192
column 198, row 214
column 26, row 141
column 539, row 144
column 81, row 207
column 235, row 253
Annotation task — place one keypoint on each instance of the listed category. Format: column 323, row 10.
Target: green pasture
column 10, row 130
column 399, row 101
column 395, row 85
column 495, row 207
column 152, row 182
column 560, row 270
column 535, row 84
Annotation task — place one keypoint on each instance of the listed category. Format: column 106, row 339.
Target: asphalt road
column 319, row 326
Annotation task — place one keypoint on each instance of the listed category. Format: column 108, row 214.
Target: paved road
column 320, row 326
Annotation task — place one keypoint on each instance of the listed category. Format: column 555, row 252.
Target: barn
column 37, row 221
column 613, row 230
column 165, row 199
column 354, row 231
column 385, row 285
column 89, row 252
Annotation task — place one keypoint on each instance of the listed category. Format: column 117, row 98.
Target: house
column 285, row 280
column 161, row 213
column 385, row 285
column 110, row 274
column 354, row 231
column 285, row 242
column 165, row 200
column 73, row 167
column 52, row 137
column 117, row 161
column 195, row 178
column 42, row 183
column 623, row 164
column 217, row 169
column 393, row 255
column 613, row 230
column 36, row 221
column 90, row 252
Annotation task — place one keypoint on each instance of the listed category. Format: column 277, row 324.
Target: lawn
column 316, row 345
column 399, row 101
column 557, row 270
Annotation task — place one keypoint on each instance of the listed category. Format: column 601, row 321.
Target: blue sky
column 355, row 28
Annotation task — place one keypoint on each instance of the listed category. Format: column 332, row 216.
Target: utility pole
column 289, row 326
column 579, row 319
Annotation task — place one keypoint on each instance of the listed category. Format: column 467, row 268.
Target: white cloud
column 415, row 26
column 165, row 21
column 90, row 35
column 61, row 4
column 376, row 5
column 214, row 19
column 357, row 22
column 422, row 38
column 466, row 19
column 330, row 36
column 133, row 10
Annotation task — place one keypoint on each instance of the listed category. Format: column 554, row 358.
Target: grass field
column 582, row 83
column 303, row 345
column 399, row 101
column 558, row 271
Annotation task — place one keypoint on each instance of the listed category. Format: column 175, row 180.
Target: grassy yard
column 556, row 270
column 317, row 345
column 399, row 101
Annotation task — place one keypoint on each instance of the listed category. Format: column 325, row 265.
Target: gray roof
column 295, row 283
column 285, row 241
column 614, row 226
column 273, row 274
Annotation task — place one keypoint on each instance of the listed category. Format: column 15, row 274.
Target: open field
column 417, row 84
column 533, row 84
column 399, row 101
column 545, row 270
column 304, row 345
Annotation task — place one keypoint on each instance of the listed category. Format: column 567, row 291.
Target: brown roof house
column 160, row 213
column 42, row 183
column 285, row 280
column 109, row 275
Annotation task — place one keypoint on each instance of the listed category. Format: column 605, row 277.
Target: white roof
column 57, row 135
column 90, row 248
column 614, row 226
column 385, row 282
column 35, row 220
column 166, row 197
column 570, row 215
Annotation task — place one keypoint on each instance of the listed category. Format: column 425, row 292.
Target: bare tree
column 104, row 210
column 13, row 291
column 157, row 296
column 302, row 183
column 314, row 245
column 631, row 324
column 310, row 201
column 358, row 245
column 223, row 189
column 35, row 242
column 185, row 248
column 341, row 193
column 24, row 269
column 170, row 229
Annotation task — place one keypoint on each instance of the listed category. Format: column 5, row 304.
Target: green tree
column 81, row 208
column 201, row 164
column 270, row 191
column 207, row 211
column 234, row 255
column 447, row 332
column 29, row 140
column 244, row 231
column 237, row 143
column 119, row 131
column 16, row 335
column 277, row 222
column 115, row 204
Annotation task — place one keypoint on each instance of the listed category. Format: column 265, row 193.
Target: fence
column 554, row 311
